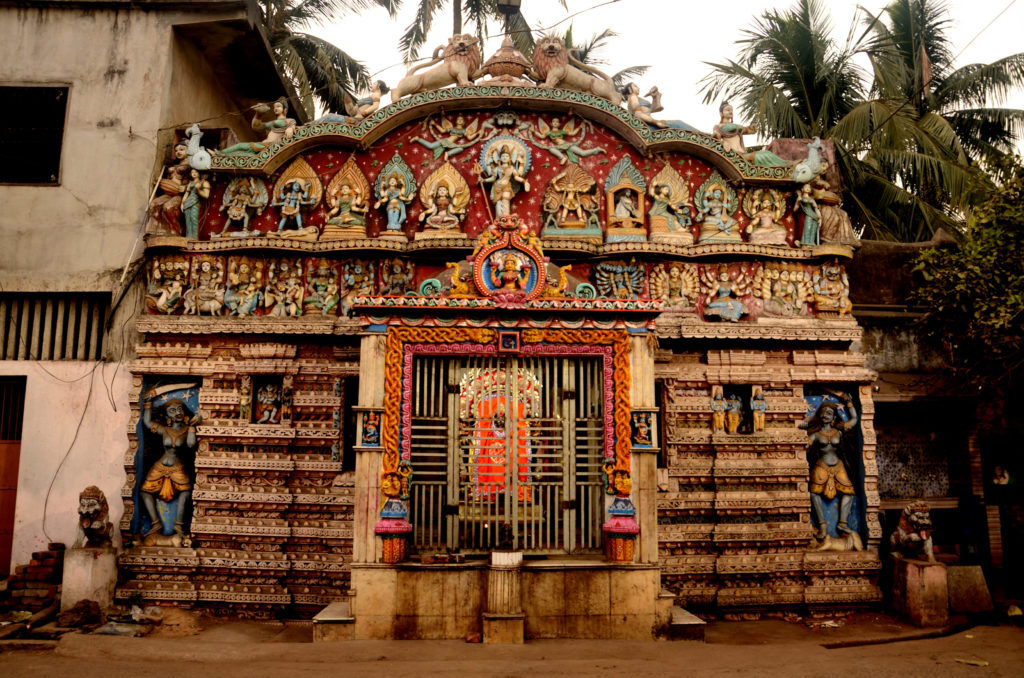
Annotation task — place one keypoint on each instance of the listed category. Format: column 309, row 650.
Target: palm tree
column 474, row 13
column 906, row 169
column 318, row 70
column 587, row 53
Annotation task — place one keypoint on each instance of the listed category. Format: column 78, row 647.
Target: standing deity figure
column 812, row 216
column 197, row 189
column 291, row 198
column 394, row 196
column 718, row 409
column 504, row 167
column 281, row 127
column 167, row 478
column 758, row 406
column 241, row 197
column 827, row 435
column 165, row 209
column 733, row 414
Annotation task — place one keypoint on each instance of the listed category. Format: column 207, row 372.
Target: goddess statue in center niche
column 504, row 163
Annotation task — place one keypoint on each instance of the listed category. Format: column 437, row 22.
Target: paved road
column 737, row 650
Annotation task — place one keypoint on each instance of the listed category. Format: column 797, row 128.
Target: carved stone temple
column 503, row 357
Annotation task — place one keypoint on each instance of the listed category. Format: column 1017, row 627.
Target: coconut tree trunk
column 456, row 17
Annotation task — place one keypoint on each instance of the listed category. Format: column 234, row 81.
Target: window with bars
column 52, row 326
column 506, row 453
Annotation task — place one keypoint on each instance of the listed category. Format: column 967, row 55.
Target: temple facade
column 500, row 357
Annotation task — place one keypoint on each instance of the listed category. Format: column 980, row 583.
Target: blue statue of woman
column 812, row 215
column 393, row 197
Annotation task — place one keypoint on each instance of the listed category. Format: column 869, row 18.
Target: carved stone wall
column 734, row 528
column 272, row 520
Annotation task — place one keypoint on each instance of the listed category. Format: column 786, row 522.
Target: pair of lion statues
column 459, row 63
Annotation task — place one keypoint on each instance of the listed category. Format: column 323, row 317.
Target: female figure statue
column 167, row 477
column 394, row 198
column 675, row 212
column 348, row 208
column 716, row 222
column 642, row 108
column 505, row 178
column 440, row 212
column 718, row 408
column 830, row 474
column 198, row 188
column 734, row 414
column 165, row 209
column 724, row 304
column 759, row 406
column 812, row 215
column 731, row 136
column 281, row 127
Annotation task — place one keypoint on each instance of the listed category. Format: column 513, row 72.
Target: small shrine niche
column 624, row 191
column 268, row 407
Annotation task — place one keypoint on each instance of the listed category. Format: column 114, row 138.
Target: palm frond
column 515, row 27
column 626, row 74
column 330, row 73
column 978, row 84
column 327, row 11
column 416, row 34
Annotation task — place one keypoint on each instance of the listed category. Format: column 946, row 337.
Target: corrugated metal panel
column 52, row 326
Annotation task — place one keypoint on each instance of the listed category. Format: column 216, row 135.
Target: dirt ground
column 762, row 648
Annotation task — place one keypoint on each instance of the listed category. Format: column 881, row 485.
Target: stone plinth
column 89, row 574
column 920, row 591
column 504, row 621
column 334, row 622
column 968, row 591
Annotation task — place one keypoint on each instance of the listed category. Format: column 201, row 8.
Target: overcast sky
column 675, row 37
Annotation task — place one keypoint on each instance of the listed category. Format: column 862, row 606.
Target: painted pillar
column 366, row 547
column 644, row 459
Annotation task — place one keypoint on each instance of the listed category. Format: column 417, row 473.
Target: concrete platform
column 686, row 626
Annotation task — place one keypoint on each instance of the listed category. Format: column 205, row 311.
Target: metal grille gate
column 506, row 452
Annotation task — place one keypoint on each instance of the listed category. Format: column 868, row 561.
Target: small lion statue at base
column 912, row 538
column 94, row 526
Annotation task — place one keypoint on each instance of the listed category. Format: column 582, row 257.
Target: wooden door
column 12, row 404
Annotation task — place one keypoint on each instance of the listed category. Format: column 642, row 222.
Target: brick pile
column 35, row 586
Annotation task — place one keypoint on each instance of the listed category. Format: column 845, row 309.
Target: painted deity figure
column 451, row 139
column 240, row 198
column 166, row 290
column 733, row 414
column 440, row 212
column 765, row 217
column 292, row 197
column 268, row 404
column 677, row 215
column 832, row 290
column 167, row 478
column 758, row 406
column 243, row 290
column 165, row 209
column 209, row 291
column 718, row 409
column 348, row 208
column 827, row 435
column 197, row 189
column 284, row 294
column 360, row 108
column 323, row 294
column 643, row 108
column 722, row 296
column 625, row 207
column 511, row 274
column 281, row 127
column 731, row 136
column 394, row 198
column 506, row 175
column 561, row 139
column 716, row 222
column 812, row 216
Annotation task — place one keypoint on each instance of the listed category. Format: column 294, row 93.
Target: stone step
column 334, row 622
column 686, row 626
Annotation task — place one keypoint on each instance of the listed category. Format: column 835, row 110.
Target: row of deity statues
column 571, row 207
column 284, row 288
column 729, row 414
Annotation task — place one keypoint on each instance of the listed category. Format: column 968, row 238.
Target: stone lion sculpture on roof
column 554, row 66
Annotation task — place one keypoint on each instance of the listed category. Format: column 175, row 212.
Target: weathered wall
column 56, row 393
column 124, row 86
